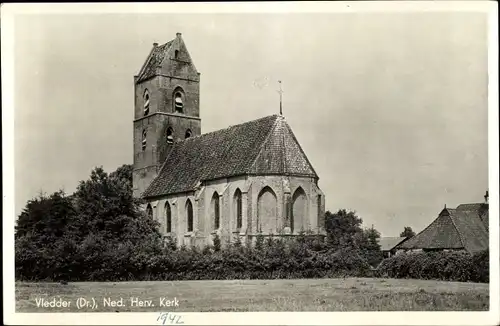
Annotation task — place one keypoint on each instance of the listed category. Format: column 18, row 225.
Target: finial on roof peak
column 280, row 91
column 178, row 34
column 155, row 44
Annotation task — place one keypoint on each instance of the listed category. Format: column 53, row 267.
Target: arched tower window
column 215, row 207
column 188, row 134
column 149, row 211
column 189, row 213
column 238, row 208
column 144, row 137
column 179, row 100
column 176, row 54
column 168, row 218
column 146, row 102
column 170, row 135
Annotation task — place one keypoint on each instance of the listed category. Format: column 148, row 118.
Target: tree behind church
column 342, row 229
column 407, row 232
column 345, row 232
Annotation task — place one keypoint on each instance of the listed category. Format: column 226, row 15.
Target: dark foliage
column 450, row 266
column 407, row 232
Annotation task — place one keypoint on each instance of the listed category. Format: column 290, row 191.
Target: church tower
column 167, row 108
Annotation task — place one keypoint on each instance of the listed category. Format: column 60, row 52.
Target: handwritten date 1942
column 169, row 318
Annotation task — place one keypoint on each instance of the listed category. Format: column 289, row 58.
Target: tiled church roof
column 258, row 147
column 465, row 227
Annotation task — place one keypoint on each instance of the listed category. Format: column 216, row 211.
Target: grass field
column 350, row 294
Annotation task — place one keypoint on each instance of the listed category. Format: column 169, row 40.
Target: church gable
column 282, row 154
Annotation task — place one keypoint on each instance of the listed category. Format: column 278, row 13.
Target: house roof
column 266, row 146
column 461, row 228
column 388, row 243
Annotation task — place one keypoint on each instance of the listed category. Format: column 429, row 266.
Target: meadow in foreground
column 350, row 294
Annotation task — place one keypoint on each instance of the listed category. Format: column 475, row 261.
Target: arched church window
column 144, row 137
column 146, row 102
column 189, row 213
column 299, row 219
column 267, row 216
column 176, row 54
column 168, row 217
column 170, row 135
column 178, row 102
column 188, row 134
column 149, row 212
column 238, row 208
column 215, row 210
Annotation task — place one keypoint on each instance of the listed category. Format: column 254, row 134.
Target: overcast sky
column 391, row 109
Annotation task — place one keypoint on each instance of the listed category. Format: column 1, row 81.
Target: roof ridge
column 460, row 236
column 300, row 147
column 227, row 128
column 428, row 226
column 144, row 65
column 263, row 143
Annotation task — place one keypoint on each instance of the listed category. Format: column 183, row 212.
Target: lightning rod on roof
column 280, row 91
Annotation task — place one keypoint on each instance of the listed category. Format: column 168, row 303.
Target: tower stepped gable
column 264, row 146
column 170, row 59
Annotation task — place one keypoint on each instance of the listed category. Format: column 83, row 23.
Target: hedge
column 445, row 265
column 97, row 260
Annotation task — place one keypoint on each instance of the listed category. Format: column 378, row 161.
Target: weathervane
column 280, row 91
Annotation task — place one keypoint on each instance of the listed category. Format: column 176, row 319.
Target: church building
column 240, row 181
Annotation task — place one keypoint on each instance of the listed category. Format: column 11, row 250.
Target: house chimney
column 486, row 197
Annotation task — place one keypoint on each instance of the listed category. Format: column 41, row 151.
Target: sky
column 390, row 108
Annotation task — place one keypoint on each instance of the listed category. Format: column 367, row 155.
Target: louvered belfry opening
column 178, row 102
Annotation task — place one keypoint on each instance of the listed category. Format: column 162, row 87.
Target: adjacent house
column 461, row 228
column 388, row 245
